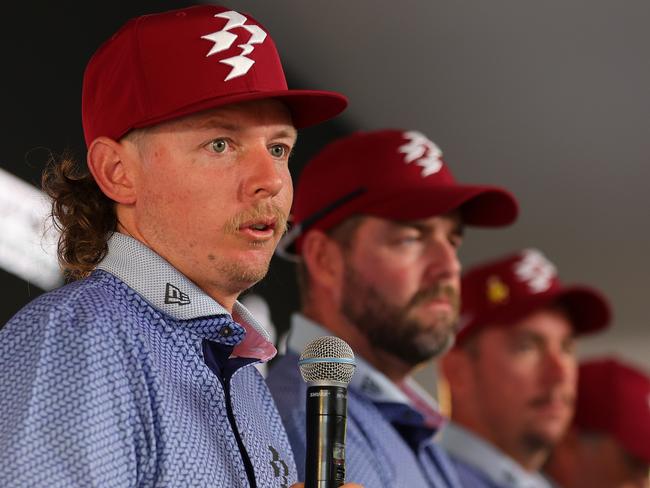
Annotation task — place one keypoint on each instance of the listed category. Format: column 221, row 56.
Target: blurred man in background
column 141, row 373
column 608, row 445
column 378, row 219
column 512, row 372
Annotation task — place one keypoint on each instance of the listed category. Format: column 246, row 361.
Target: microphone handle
column 326, row 423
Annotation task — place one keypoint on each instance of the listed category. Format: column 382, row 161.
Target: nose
column 559, row 367
column 265, row 176
column 444, row 262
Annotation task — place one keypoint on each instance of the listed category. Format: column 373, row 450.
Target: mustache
column 259, row 212
column 544, row 399
column 436, row 292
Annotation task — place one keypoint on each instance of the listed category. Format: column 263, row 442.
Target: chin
column 551, row 434
column 244, row 272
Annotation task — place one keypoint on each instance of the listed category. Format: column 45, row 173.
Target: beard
column 390, row 327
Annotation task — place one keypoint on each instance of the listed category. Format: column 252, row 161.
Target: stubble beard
column 242, row 274
column 390, row 328
column 538, row 439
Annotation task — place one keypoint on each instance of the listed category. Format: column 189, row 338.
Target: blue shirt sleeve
column 73, row 400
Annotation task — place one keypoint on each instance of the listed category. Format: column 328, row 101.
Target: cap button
column 226, row 331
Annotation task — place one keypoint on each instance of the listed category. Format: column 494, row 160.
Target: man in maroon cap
column 512, row 372
column 378, row 219
column 607, row 445
column 142, row 372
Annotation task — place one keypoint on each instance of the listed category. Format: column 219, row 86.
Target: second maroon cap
column 507, row 289
column 393, row 174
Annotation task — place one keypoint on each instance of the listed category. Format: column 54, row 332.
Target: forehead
column 451, row 221
column 267, row 113
column 550, row 323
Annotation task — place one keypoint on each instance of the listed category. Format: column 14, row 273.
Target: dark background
column 550, row 99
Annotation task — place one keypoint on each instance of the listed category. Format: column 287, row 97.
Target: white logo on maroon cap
column 223, row 40
column 535, row 270
column 423, row 151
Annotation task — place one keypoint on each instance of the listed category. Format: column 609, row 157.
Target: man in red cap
column 607, row 445
column 378, row 219
column 512, row 372
column 142, row 372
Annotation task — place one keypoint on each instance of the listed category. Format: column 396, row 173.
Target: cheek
column 166, row 197
column 398, row 282
column 509, row 382
column 286, row 195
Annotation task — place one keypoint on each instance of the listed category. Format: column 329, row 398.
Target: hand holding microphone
column 327, row 365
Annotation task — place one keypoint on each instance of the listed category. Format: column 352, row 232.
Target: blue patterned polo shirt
column 134, row 377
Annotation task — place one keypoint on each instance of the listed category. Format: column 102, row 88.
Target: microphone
column 327, row 365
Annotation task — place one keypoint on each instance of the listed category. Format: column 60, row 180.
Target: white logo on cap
column 223, row 40
column 535, row 270
column 421, row 150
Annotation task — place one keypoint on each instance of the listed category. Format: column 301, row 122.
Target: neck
column 563, row 465
column 225, row 298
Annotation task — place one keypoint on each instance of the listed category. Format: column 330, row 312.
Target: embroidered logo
column 421, row 150
column 535, row 270
column 174, row 295
column 223, row 39
column 497, row 290
column 280, row 468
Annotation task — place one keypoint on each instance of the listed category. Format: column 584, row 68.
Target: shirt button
column 225, row 332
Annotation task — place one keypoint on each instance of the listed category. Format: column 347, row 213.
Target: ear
column 112, row 164
column 324, row 260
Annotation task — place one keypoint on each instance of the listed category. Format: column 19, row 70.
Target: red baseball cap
column 504, row 291
column 163, row 66
column 614, row 398
column 393, row 174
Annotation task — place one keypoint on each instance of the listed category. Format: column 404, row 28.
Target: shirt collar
column 497, row 466
column 366, row 379
column 171, row 292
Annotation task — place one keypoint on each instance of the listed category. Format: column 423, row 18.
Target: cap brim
column 307, row 107
column 484, row 206
column 587, row 308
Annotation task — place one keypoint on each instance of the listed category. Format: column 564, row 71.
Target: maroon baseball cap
column 504, row 291
column 163, row 66
column 393, row 174
column 614, row 398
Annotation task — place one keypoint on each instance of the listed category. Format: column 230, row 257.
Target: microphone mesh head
column 327, row 359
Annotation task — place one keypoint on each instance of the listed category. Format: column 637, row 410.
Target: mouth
column 438, row 302
column 260, row 229
column 552, row 404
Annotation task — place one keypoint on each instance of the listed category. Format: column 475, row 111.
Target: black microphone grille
column 327, row 359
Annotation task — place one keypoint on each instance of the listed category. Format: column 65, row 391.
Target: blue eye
column 278, row 151
column 219, row 145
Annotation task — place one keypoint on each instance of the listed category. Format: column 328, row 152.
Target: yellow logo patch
column 497, row 290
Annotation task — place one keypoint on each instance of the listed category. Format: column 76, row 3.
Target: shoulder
column 288, row 389
column 99, row 299
column 471, row 476
column 89, row 321
column 284, row 376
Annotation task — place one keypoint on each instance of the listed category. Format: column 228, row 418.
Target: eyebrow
column 458, row 228
column 213, row 123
